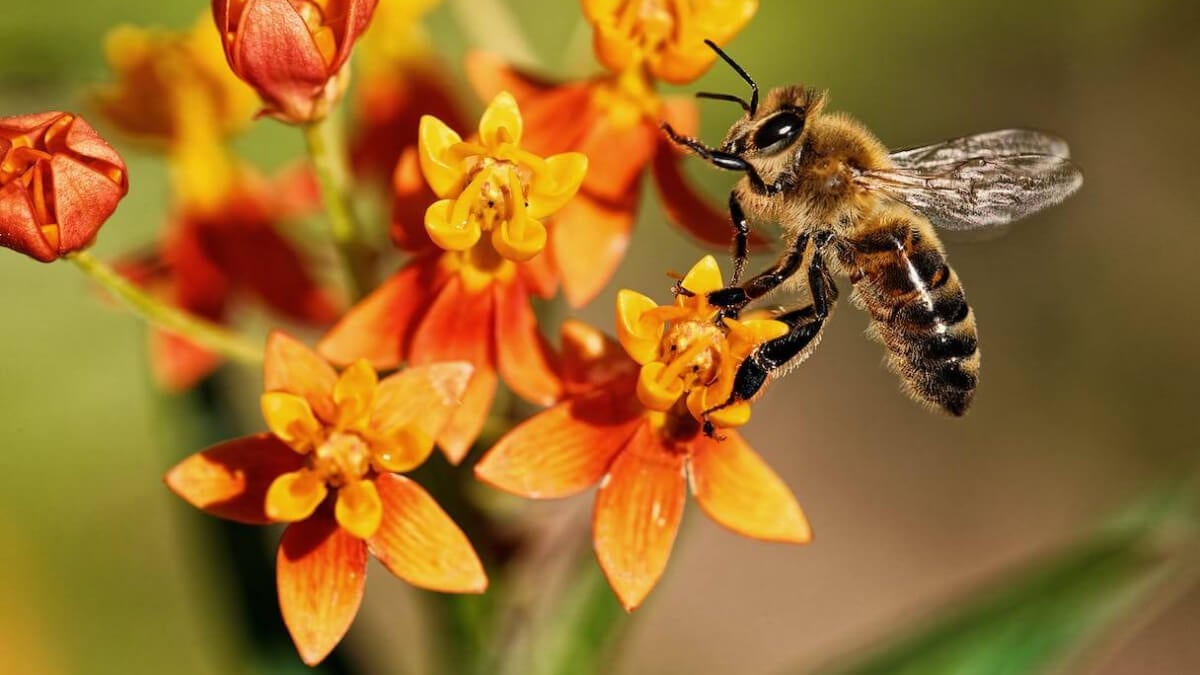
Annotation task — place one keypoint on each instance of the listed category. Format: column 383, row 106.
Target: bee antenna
column 753, row 105
column 725, row 97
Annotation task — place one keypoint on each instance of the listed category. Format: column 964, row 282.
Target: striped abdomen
column 918, row 306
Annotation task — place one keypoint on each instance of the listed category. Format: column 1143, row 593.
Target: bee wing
column 980, row 181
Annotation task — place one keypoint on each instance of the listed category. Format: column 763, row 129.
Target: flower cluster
column 541, row 196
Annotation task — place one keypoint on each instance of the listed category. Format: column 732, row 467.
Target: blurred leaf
column 1041, row 616
column 585, row 628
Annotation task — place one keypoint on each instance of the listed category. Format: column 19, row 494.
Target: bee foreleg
column 741, row 238
column 720, row 159
column 733, row 298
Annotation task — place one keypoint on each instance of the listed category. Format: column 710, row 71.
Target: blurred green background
column 1088, row 317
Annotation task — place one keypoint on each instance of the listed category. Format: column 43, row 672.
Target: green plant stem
column 173, row 319
column 326, row 151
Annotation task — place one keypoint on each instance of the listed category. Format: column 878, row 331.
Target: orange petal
column 638, row 510
column 738, row 490
column 460, row 326
column 230, row 480
column 419, row 543
column 489, row 75
column 540, row 275
column 526, row 360
column 618, row 154
column 294, row 368
column 379, row 327
column 421, row 397
column 466, row 423
column 591, row 359
column 411, row 197
column 319, row 571
column 358, row 509
column 589, row 229
column 561, row 451
column 690, row 210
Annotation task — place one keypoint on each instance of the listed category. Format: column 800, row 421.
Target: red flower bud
column 59, row 182
column 292, row 51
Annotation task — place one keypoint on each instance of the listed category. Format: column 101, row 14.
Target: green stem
column 326, row 151
column 173, row 319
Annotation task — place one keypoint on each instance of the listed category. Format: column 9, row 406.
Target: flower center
column 628, row 98
column 344, row 457
column 692, row 352
column 495, row 182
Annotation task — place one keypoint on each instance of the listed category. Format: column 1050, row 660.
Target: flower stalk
column 327, row 152
column 165, row 316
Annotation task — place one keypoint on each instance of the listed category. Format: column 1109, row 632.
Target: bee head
column 775, row 127
column 772, row 128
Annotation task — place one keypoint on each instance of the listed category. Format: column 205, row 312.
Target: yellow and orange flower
column 614, row 119
column 210, row 259
column 59, row 182
column 292, row 52
column 330, row 468
column 665, row 36
column 167, row 82
column 465, row 296
column 632, row 425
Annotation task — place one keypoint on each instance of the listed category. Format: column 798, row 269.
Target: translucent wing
column 979, row 181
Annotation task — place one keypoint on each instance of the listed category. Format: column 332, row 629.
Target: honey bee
column 847, row 206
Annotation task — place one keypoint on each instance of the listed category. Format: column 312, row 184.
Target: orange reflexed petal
column 549, row 191
column 596, row 230
column 501, row 122
column 738, row 490
column 419, row 543
column 420, row 399
column 358, row 509
column 354, row 395
column 377, row 327
column 639, row 338
column 638, row 510
column 295, row 495
column 525, row 359
column 468, row 420
column 319, row 572
column 434, row 140
column 290, row 418
column 590, row 358
column 561, row 451
column 230, row 480
column 704, row 277
column 653, row 391
column 294, row 368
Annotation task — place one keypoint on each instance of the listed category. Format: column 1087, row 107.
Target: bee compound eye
column 779, row 130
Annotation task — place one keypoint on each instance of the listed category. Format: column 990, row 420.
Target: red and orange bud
column 292, row 51
column 59, row 182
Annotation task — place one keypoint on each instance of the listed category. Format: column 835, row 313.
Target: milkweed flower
column 465, row 294
column 211, row 259
column 330, row 467
column 292, row 52
column 665, row 36
column 614, row 119
column 166, row 80
column 399, row 78
column 629, row 422
column 59, row 182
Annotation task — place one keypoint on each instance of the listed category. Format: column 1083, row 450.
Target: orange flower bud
column 59, row 182
column 292, row 51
